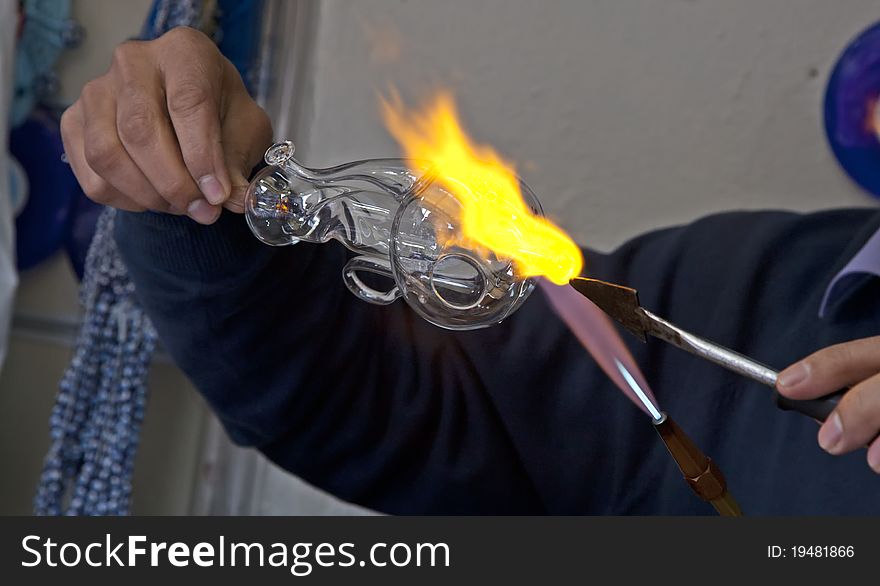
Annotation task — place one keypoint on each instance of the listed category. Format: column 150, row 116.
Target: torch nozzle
column 700, row 472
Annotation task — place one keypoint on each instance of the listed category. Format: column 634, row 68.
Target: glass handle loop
column 363, row 291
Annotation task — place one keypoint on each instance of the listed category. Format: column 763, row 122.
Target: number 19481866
column 811, row 551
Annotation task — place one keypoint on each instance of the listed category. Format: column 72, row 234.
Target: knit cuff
column 180, row 245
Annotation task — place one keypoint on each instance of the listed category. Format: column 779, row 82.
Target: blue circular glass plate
column 43, row 223
column 851, row 125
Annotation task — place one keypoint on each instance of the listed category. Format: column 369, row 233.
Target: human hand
column 856, row 420
column 170, row 128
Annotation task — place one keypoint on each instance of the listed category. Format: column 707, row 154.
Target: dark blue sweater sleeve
column 369, row 403
column 383, row 409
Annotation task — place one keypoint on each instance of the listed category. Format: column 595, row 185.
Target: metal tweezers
column 622, row 304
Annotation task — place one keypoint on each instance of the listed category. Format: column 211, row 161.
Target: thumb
column 245, row 139
column 239, row 181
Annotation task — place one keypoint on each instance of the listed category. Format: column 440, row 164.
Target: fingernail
column 203, row 212
column 793, row 375
column 874, row 457
column 212, row 189
column 830, row 433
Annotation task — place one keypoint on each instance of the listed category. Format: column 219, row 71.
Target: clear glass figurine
column 402, row 225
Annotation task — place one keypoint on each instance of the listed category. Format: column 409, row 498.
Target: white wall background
column 622, row 115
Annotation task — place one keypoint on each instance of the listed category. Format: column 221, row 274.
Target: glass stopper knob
column 279, row 153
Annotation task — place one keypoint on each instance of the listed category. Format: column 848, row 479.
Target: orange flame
column 494, row 215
